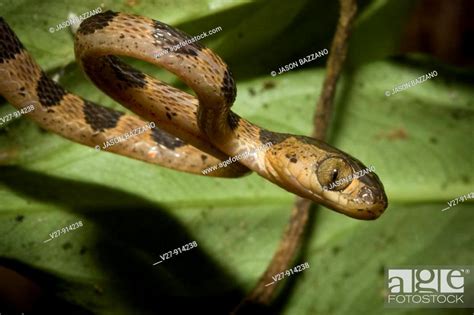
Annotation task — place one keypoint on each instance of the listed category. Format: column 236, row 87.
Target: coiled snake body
column 194, row 132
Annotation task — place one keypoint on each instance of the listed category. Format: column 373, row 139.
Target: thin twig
column 263, row 294
column 336, row 59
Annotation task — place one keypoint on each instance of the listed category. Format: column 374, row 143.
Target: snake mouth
column 333, row 205
column 376, row 198
column 369, row 203
column 286, row 180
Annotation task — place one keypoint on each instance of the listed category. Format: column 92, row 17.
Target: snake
column 193, row 132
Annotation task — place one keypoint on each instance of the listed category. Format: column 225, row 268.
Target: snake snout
column 373, row 196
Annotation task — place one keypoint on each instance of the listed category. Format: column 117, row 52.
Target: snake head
column 326, row 175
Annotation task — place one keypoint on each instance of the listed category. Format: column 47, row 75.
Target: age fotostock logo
column 430, row 287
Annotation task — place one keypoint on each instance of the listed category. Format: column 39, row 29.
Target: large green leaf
column 419, row 140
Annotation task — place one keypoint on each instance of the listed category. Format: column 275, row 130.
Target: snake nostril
column 367, row 195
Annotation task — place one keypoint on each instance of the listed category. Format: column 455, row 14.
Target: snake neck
column 237, row 137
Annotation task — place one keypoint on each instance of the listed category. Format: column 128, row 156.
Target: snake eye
column 334, row 173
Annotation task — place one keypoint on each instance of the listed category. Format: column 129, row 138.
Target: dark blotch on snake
column 10, row 45
column 164, row 138
column 99, row 117
column 49, row 93
column 273, row 137
column 228, row 87
column 177, row 37
column 127, row 74
column 233, row 120
column 96, row 22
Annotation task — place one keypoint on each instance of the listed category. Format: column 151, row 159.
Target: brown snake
column 195, row 133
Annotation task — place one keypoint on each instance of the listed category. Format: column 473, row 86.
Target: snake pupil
column 332, row 171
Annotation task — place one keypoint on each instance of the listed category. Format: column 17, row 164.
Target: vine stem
column 263, row 294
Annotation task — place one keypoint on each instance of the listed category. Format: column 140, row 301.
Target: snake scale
column 195, row 132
